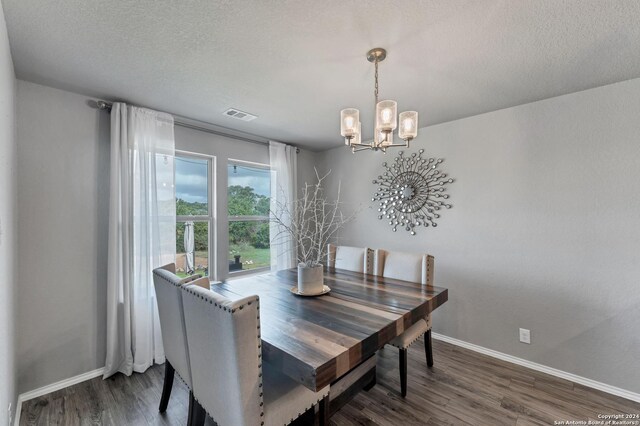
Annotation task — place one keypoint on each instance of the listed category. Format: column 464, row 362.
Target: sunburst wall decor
column 411, row 192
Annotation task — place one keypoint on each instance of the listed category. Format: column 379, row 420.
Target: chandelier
column 385, row 120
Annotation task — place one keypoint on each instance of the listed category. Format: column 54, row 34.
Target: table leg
column 372, row 382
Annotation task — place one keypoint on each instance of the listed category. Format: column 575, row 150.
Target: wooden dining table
column 316, row 340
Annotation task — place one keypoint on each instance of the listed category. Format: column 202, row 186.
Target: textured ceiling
column 295, row 64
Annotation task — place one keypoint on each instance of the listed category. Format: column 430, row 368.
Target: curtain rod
column 178, row 121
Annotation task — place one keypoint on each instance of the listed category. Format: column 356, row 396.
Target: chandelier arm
column 364, row 147
column 398, row 144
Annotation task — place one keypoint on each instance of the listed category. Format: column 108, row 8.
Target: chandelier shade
column 386, row 116
column 358, row 137
column 386, row 119
column 408, row 125
column 349, row 117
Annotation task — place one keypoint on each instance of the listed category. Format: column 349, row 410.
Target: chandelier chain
column 376, row 78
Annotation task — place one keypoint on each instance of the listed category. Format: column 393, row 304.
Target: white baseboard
column 52, row 388
column 542, row 368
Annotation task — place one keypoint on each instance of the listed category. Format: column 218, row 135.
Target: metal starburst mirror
column 411, row 191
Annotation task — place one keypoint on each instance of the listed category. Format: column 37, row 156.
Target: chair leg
column 403, row 372
column 324, row 411
column 428, row 349
column 197, row 415
column 166, row 388
column 192, row 401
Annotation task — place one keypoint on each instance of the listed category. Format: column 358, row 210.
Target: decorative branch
column 312, row 221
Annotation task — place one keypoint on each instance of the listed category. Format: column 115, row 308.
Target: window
column 194, row 215
column 248, row 197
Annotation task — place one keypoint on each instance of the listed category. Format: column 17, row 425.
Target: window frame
column 248, row 218
column 210, row 217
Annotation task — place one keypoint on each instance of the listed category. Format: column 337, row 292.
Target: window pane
column 248, row 245
column 192, row 186
column 192, row 248
column 248, row 191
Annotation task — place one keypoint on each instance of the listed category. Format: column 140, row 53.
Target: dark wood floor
column 462, row 388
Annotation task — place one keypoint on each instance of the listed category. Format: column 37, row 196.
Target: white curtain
column 283, row 193
column 142, row 236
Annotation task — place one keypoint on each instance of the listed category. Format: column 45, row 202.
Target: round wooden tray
column 325, row 290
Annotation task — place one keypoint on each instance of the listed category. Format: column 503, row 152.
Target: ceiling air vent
column 239, row 115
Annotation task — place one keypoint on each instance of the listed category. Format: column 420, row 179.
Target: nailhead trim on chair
column 410, row 343
column 369, row 265
column 182, row 380
column 180, row 284
column 299, row 414
column 430, row 261
column 232, row 311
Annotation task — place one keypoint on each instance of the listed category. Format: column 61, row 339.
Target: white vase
column 310, row 279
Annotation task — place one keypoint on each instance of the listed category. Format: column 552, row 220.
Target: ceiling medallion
column 411, row 192
column 386, row 120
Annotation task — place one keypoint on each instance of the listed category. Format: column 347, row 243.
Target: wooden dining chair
column 357, row 259
column 170, row 311
column 230, row 380
column 408, row 267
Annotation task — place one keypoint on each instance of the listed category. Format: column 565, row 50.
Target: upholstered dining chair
column 357, row 259
column 230, row 381
column 169, row 297
column 408, row 267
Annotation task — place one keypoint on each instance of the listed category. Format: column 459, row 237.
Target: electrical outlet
column 525, row 336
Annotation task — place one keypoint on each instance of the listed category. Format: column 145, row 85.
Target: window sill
column 249, row 272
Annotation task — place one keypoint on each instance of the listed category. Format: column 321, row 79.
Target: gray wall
column 63, row 200
column 544, row 232
column 306, row 162
column 63, row 186
column 8, row 224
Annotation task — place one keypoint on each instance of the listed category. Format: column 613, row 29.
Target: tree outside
column 248, row 239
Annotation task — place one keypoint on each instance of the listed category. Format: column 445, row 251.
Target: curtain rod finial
column 103, row 105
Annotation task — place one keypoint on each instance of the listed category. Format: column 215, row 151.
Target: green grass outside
column 200, row 272
column 251, row 257
column 201, row 257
